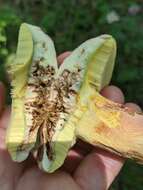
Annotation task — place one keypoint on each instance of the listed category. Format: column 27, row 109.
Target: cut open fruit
column 53, row 106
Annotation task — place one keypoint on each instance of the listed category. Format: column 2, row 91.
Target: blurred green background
column 72, row 22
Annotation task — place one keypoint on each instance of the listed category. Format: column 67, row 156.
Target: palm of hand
column 85, row 168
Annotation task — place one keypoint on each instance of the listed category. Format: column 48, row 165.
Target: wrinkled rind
column 112, row 127
column 19, row 71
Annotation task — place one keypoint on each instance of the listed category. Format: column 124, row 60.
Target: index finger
column 62, row 56
column 2, row 96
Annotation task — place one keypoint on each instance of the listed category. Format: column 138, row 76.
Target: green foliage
column 9, row 21
column 71, row 22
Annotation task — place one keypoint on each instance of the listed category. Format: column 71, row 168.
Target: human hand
column 85, row 167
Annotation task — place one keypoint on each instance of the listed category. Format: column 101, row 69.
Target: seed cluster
column 52, row 103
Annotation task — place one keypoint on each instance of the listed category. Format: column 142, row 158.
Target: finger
column 2, row 96
column 76, row 155
column 62, row 56
column 98, row 170
column 72, row 161
column 36, row 179
column 101, row 166
column 13, row 170
column 133, row 107
column 113, row 93
column 82, row 147
column 4, row 122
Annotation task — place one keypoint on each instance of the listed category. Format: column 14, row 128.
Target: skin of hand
column 86, row 167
